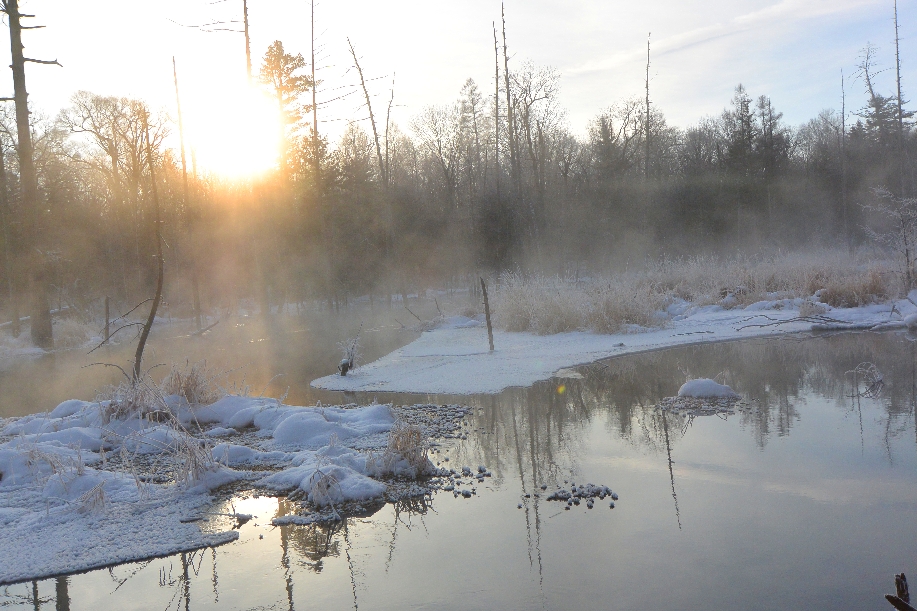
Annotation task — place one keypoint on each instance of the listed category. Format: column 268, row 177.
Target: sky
column 791, row 50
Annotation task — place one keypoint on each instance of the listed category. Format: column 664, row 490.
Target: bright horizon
column 791, row 50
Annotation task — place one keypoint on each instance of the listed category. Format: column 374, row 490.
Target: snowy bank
column 91, row 484
column 454, row 358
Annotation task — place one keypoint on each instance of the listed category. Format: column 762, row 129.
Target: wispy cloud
column 766, row 21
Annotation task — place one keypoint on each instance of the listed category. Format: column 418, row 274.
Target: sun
column 234, row 134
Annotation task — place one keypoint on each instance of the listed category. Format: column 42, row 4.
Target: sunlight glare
column 236, row 135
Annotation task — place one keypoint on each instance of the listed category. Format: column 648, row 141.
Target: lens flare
column 237, row 136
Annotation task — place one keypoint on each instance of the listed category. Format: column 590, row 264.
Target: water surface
column 806, row 498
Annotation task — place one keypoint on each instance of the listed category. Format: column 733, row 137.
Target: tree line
column 495, row 180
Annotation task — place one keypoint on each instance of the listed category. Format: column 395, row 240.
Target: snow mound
column 705, row 388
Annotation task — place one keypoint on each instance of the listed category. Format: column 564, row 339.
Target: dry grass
column 750, row 279
column 325, row 488
column 196, row 383
column 405, row 455
column 546, row 305
column 93, row 500
column 147, row 400
column 137, row 399
column 629, row 301
column 853, row 292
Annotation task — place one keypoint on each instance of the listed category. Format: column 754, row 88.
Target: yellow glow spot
column 235, row 134
column 561, row 389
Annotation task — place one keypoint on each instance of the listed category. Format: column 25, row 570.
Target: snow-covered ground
column 454, row 358
column 89, row 485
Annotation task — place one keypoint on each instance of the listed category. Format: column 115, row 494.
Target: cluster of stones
column 455, row 480
column 436, row 421
column 587, row 493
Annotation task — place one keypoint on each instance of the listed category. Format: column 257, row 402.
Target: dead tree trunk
column 901, row 150
column 496, row 113
column 369, row 107
column 510, row 116
column 8, row 249
column 33, row 259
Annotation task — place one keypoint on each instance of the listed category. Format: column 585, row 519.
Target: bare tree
column 30, row 246
column 901, row 236
column 369, row 107
column 648, row 119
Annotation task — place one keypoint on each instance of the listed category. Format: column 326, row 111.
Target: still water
column 804, row 499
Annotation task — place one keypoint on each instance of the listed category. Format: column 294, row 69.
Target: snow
column 705, row 387
column 454, row 358
column 77, row 490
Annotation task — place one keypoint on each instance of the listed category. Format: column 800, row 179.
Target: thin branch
column 412, row 313
column 52, row 62
column 130, row 324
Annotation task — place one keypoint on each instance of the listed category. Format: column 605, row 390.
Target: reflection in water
column 783, row 451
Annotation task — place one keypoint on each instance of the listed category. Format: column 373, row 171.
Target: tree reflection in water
column 536, row 436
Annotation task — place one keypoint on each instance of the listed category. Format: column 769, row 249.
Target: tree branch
column 53, row 62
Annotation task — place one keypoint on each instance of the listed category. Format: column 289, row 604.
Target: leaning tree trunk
column 158, row 234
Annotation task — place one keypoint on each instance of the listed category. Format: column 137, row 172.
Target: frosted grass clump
column 635, row 300
column 548, row 305
column 844, row 280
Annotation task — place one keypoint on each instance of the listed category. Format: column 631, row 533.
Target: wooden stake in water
column 490, row 331
column 107, row 320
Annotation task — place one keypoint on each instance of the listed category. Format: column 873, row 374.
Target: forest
column 493, row 181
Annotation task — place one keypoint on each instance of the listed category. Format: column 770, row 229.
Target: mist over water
column 247, row 357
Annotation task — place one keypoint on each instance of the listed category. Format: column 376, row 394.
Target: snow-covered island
column 454, row 357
